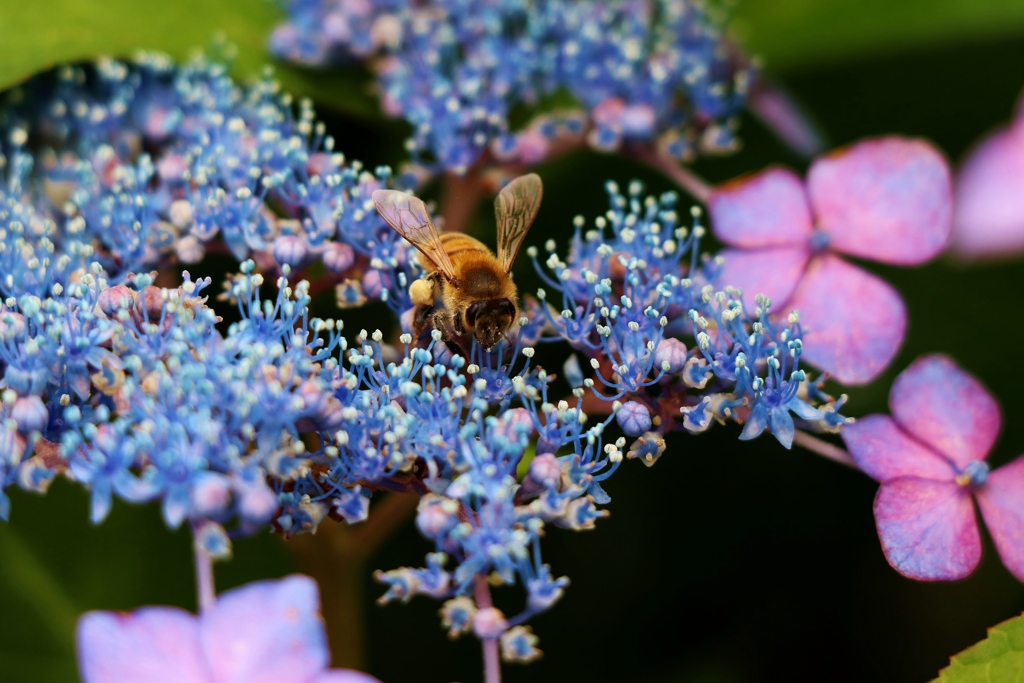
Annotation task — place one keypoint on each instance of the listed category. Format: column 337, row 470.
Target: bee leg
column 421, row 316
column 442, row 320
column 456, row 322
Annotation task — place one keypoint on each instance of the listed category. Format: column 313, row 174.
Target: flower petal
column 853, row 321
column 1001, row 500
column 773, row 272
column 766, row 209
column 927, row 528
column 941, row 405
column 989, row 209
column 344, row 676
column 153, row 644
column 887, row 199
column 266, row 632
column 885, row 452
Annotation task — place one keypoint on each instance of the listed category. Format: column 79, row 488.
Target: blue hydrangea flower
column 649, row 72
column 280, row 418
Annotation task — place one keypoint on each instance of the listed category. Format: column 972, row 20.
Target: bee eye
column 474, row 310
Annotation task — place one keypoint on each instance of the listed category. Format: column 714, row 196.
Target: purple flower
column 264, row 632
column 930, row 459
column 885, row 199
column 989, row 209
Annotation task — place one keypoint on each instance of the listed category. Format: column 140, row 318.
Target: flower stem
column 783, row 116
column 822, row 447
column 492, row 665
column 693, row 184
column 204, row 577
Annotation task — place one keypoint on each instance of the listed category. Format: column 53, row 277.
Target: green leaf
column 29, row 578
column 524, row 465
column 997, row 659
column 37, row 36
column 38, row 668
column 790, row 34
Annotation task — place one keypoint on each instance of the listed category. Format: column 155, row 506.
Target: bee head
column 490, row 319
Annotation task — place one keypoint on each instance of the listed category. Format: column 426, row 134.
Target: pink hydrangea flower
column 930, row 459
column 264, row 632
column 886, row 199
column 988, row 221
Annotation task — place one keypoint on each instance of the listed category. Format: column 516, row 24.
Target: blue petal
column 781, row 423
column 600, row 496
column 100, row 500
column 756, row 423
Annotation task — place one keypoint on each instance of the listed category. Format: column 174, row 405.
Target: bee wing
column 515, row 208
column 408, row 216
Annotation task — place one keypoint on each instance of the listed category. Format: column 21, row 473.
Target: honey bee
column 466, row 289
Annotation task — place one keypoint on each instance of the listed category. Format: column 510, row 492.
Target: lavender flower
column 264, row 632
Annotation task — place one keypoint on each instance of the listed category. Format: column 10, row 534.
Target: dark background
column 727, row 562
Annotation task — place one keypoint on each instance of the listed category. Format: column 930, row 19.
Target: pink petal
column 989, row 216
column 885, row 452
column 943, row 406
column 853, row 321
column 344, row 676
column 153, row 644
column 887, row 199
column 927, row 528
column 773, row 272
column 1001, row 500
column 766, row 209
column 266, row 632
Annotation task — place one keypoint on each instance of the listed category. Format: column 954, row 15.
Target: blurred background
column 727, row 562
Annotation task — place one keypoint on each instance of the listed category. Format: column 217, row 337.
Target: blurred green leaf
column 38, row 668
column 29, row 578
column 37, row 36
column 790, row 34
column 997, row 659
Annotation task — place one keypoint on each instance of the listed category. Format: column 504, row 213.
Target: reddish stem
column 783, row 116
column 206, row 596
column 492, row 665
column 693, row 184
column 822, row 447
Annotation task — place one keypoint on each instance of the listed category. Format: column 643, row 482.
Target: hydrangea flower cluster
column 634, row 282
column 144, row 164
column 137, row 391
column 643, row 71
